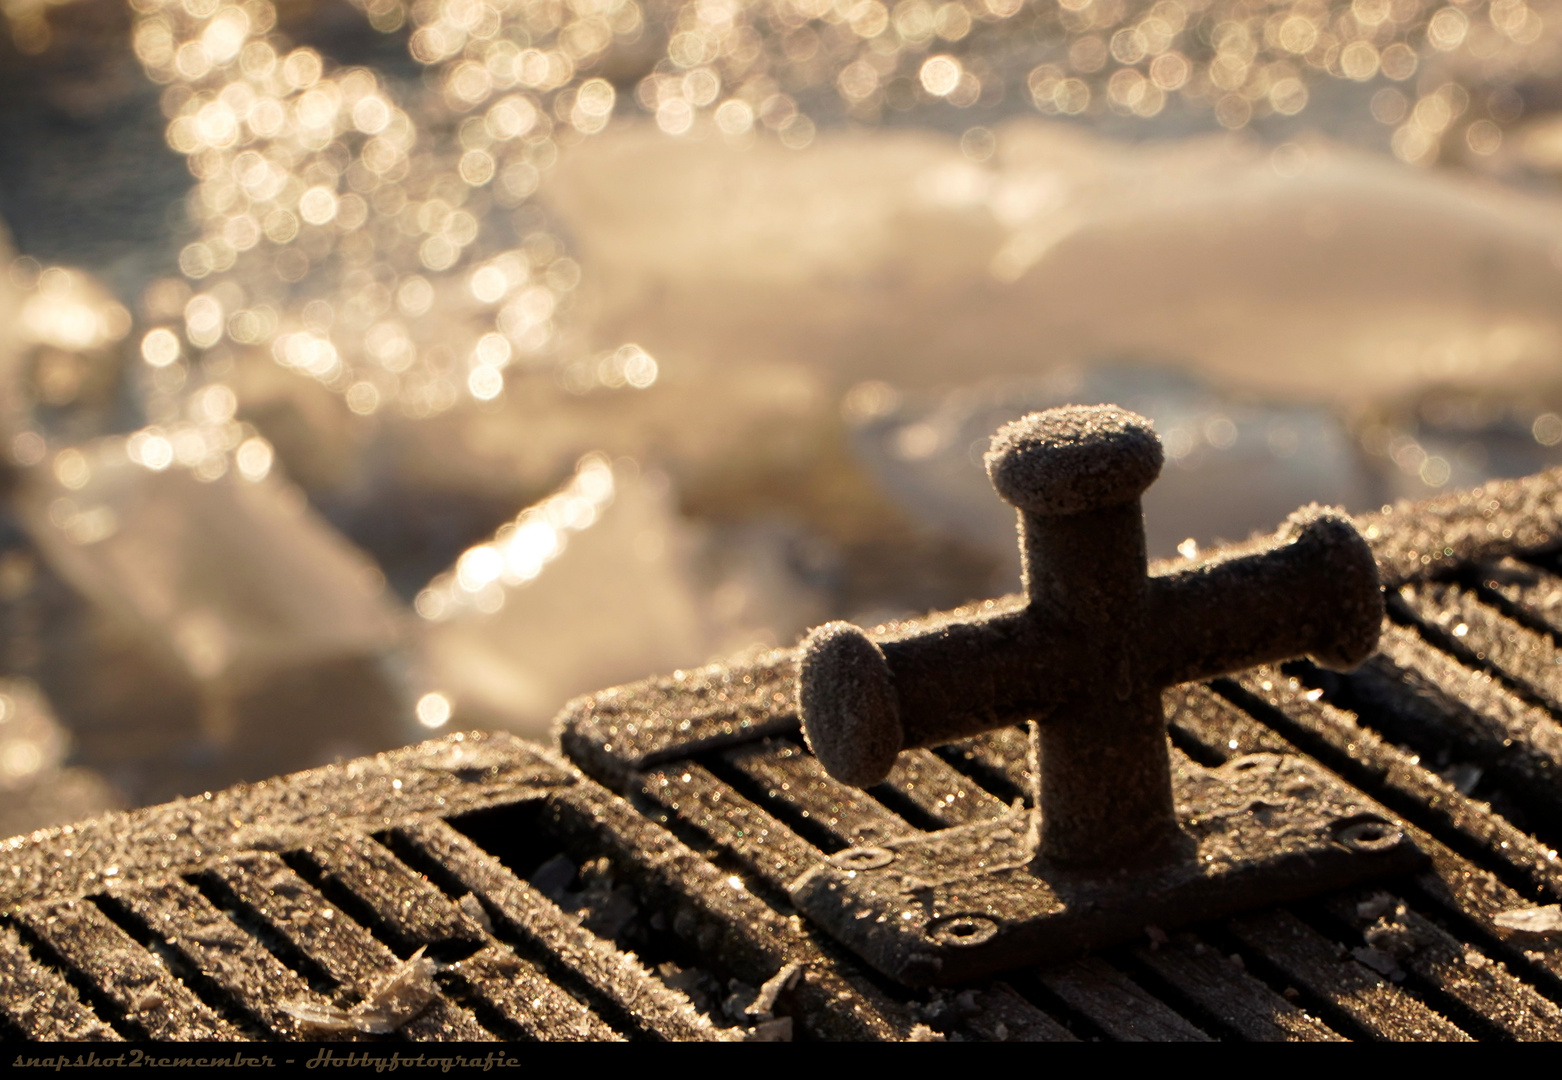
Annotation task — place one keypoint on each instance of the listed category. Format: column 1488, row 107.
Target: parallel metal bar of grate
column 130, row 980
column 223, row 940
column 630, row 994
column 226, row 953
column 39, row 1003
column 272, row 939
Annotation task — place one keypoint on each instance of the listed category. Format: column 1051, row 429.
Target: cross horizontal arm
column 971, row 676
column 1310, row 590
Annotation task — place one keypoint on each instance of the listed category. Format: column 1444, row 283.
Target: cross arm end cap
column 1073, row 459
column 1351, row 575
column 846, row 700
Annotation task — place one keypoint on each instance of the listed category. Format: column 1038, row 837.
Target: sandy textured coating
column 1502, row 517
column 1347, row 563
column 764, row 815
column 1080, row 457
column 465, row 770
column 1097, row 639
column 1317, row 570
column 846, row 697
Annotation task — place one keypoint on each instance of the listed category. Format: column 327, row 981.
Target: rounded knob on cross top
column 1077, row 458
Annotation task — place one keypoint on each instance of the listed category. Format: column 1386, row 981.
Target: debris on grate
column 390, row 1002
column 475, row 911
column 1536, row 921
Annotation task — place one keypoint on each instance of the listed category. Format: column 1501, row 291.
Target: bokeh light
column 324, row 183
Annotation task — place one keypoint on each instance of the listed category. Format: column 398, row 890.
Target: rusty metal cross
column 1088, row 648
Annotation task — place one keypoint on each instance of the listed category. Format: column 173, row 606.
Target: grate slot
column 40, row 1003
column 833, row 996
column 1468, row 984
column 587, row 889
column 511, row 993
column 1529, row 662
column 1114, row 1004
column 1466, row 892
column 190, row 973
column 516, row 989
column 791, row 784
column 294, row 909
column 997, row 1013
column 133, row 981
column 625, row 994
column 281, row 947
column 702, row 803
column 1420, row 696
column 1212, row 731
column 1029, row 986
column 1529, row 593
column 695, row 797
column 1463, row 891
column 1537, row 962
column 400, row 907
column 236, row 973
column 1224, row 996
column 1353, row 996
column 995, row 760
column 931, row 794
column 90, row 994
column 1396, row 778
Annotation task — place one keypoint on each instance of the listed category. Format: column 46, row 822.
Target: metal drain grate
column 1453, row 725
column 1417, row 958
column 183, row 922
column 653, row 904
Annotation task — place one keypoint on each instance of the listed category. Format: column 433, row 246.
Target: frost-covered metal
column 646, row 896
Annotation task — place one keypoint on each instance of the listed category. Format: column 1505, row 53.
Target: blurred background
column 371, row 368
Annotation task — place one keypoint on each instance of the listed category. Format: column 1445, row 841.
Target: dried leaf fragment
column 1379, row 961
column 764, row 1002
column 315, row 1019
column 394, row 999
column 399, row 996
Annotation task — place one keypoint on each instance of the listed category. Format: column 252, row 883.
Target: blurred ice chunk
column 62, row 345
column 36, row 789
column 548, row 610
column 205, row 632
column 1318, row 272
column 1232, row 468
column 610, row 606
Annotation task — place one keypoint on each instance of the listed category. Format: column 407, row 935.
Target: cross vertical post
column 1105, row 775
